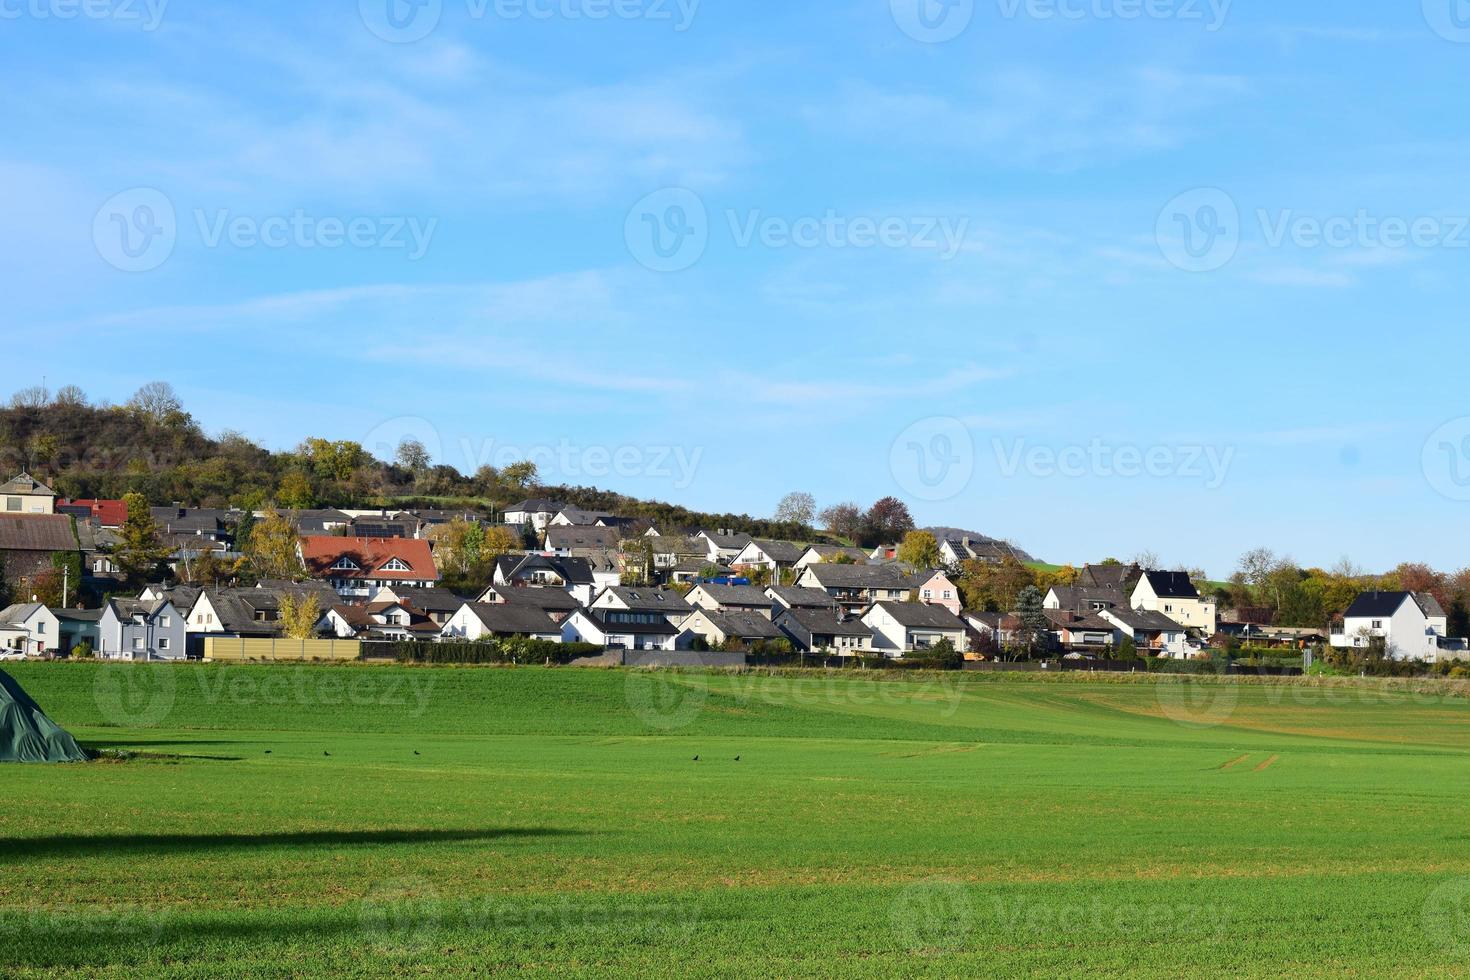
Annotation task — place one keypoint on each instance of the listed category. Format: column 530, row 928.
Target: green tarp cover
column 26, row 734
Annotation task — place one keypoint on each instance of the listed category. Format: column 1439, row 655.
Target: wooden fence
column 238, row 650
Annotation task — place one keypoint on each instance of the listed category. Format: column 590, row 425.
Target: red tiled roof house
column 358, row 567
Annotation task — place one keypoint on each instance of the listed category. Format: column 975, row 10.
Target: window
column 163, row 643
column 397, row 565
column 41, row 628
column 1378, row 624
column 345, row 564
column 166, row 622
column 137, row 643
column 12, row 503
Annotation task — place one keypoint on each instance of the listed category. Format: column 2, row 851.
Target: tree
column 521, row 476
column 1035, row 627
column 299, row 615
column 843, row 520
column 503, row 541
column 412, row 456
column 70, row 396
column 920, row 549
column 1147, row 560
column 140, row 549
column 887, row 520
column 157, row 401
column 797, row 508
column 272, row 550
column 35, row 396
column 295, row 492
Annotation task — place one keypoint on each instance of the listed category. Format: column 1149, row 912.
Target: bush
column 515, row 649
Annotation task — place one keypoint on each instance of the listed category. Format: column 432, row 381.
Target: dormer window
column 345, row 564
column 397, row 565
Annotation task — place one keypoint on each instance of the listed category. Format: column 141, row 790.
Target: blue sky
column 1100, row 276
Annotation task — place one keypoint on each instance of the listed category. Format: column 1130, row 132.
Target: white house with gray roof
column 131, row 629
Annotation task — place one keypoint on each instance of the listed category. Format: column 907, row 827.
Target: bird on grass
column 737, row 758
column 326, row 753
column 696, row 758
column 267, row 751
column 415, row 751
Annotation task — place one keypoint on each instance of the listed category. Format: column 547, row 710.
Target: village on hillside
column 552, row 573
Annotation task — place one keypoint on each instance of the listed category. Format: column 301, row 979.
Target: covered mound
column 26, row 734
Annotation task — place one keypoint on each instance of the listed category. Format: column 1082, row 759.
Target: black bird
column 737, row 758
column 415, row 751
column 696, row 758
column 267, row 751
column 326, row 753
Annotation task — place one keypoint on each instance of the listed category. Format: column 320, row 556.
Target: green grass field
column 345, row 821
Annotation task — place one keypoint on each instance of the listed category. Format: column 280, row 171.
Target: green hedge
column 518, row 650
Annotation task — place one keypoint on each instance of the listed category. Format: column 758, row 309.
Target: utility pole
column 65, row 582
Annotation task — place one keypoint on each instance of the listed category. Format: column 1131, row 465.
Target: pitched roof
column 429, row 600
column 1067, row 619
column 859, row 576
column 782, row 552
column 1171, row 585
column 1108, row 576
column 793, row 597
column 1078, row 597
column 26, row 484
column 19, row 612
column 728, row 542
column 915, row 615
column 741, row 625
column 107, row 513
column 134, row 608
column 650, row 599
column 582, row 518
column 369, row 555
column 536, row 505
column 36, row 532
column 735, row 595
column 600, row 617
column 538, row 597
column 573, row 571
column 512, row 618
column 559, row 537
column 1385, row 604
column 824, row 622
column 1145, row 619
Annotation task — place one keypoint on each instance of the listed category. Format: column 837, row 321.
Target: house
column 176, row 523
column 359, row 567
column 664, row 602
column 1174, row 595
column 537, row 512
column 556, row 603
column 904, row 627
column 110, row 514
column 437, row 603
column 730, row 598
column 1081, row 632
column 27, row 544
column 41, row 626
column 692, row 569
column 13, row 642
column 577, row 517
column 572, row 574
column 393, row 621
column 778, row 556
column 953, row 551
column 1119, row 577
column 1152, row 632
column 628, row 629
column 831, row 552
column 566, row 540
column 795, row 597
column 669, row 550
column 855, row 587
column 722, row 546
column 132, row 629
column 936, row 589
column 26, row 495
column 1001, row 627
column 820, row 631
column 245, row 612
column 79, row 626
column 1084, row 599
column 717, row 628
column 316, row 523
column 477, row 621
column 1412, row 625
